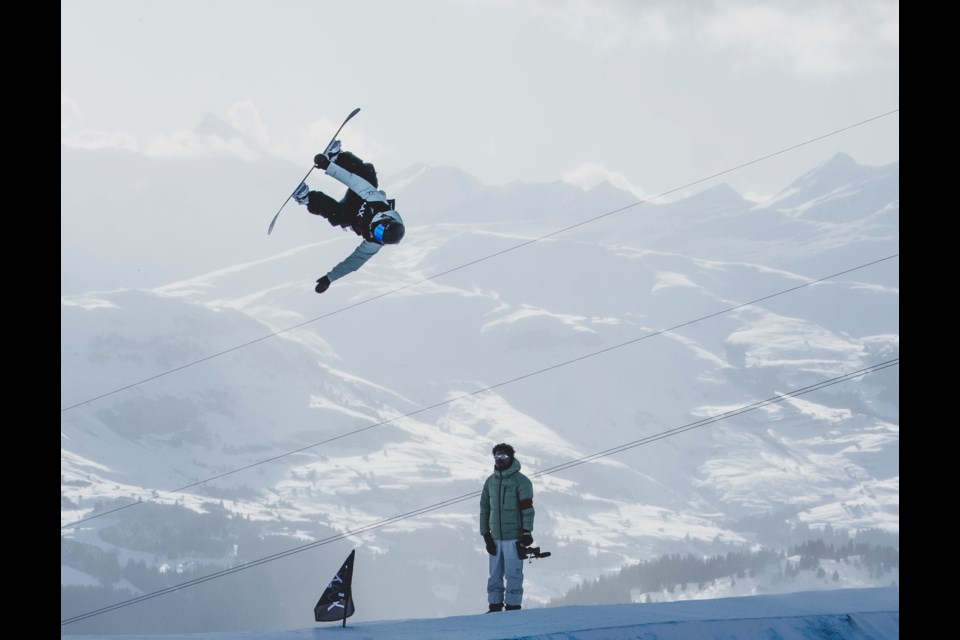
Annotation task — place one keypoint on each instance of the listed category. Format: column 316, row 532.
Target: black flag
column 336, row 603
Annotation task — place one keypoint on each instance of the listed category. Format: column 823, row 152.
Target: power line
column 473, row 494
column 551, row 470
column 722, row 416
column 478, row 260
column 479, row 391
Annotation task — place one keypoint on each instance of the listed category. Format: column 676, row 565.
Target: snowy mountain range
column 203, row 381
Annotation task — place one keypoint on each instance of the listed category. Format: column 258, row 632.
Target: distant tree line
column 671, row 572
column 158, row 547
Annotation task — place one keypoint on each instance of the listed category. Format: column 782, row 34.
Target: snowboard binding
column 530, row 553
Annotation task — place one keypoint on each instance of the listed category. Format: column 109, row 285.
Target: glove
column 527, row 538
column 323, row 160
column 491, row 545
column 322, row 284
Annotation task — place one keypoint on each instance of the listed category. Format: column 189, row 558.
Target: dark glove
column 321, row 161
column 491, row 545
column 526, row 539
column 323, row 284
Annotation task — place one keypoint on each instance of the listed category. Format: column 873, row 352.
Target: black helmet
column 388, row 231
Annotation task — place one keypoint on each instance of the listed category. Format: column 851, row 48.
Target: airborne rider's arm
column 355, row 183
column 355, row 260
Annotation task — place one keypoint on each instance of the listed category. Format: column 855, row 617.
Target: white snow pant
column 506, row 565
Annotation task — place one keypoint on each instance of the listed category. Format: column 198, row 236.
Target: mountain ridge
column 588, row 297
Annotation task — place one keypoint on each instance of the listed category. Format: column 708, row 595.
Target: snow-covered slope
column 849, row 614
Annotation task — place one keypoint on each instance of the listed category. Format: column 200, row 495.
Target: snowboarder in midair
column 506, row 521
column 363, row 209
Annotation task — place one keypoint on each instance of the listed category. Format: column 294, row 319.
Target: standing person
column 506, row 520
column 364, row 209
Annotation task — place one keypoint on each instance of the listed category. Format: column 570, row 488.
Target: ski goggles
column 378, row 231
column 501, row 457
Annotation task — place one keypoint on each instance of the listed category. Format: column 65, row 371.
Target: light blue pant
column 505, row 566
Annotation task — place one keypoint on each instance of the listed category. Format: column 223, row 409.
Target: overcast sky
column 650, row 94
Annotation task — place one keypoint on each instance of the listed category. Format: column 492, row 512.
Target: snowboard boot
column 302, row 194
column 513, row 607
column 494, row 607
column 333, row 150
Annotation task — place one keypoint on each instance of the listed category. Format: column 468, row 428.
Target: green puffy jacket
column 506, row 504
